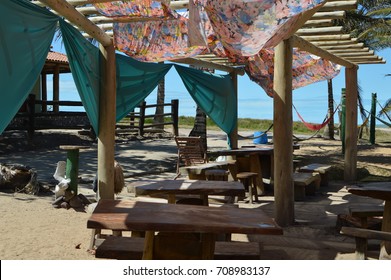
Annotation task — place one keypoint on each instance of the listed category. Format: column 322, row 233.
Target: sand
column 32, row 229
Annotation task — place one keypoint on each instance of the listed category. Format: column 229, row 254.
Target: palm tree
column 159, row 117
column 370, row 23
column 386, row 109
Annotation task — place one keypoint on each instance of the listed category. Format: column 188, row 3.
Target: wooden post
column 342, row 129
column 174, row 115
column 56, row 88
column 233, row 136
column 350, row 172
column 31, row 114
column 372, row 131
column 283, row 135
column 44, row 92
column 107, row 115
column 142, row 119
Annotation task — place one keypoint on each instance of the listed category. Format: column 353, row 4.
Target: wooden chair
column 190, row 151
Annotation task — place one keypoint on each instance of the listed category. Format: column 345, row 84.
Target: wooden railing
column 138, row 121
column 30, row 120
column 141, row 121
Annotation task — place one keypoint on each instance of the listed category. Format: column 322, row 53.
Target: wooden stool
column 216, row 175
column 249, row 181
column 322, row 169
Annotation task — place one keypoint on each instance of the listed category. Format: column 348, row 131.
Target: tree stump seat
column 322, row 169
column 305, row 184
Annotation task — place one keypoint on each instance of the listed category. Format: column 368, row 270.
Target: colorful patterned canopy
column 243, row 31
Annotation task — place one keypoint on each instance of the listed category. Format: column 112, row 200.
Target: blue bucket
column 260, row 137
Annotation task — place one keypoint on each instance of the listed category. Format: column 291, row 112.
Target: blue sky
column 310, row 101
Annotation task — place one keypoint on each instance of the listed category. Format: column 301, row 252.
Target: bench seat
column 361, row 237
column 131, row 248
column 364, row 212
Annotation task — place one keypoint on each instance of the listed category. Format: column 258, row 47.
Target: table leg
column 171, row 199
column 385, row 247
column 208, row 245
column 148, row 245
column 255, row 166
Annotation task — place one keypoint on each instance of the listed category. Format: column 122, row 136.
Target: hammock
column 315, row 127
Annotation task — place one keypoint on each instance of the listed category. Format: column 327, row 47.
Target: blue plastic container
column 260, row 137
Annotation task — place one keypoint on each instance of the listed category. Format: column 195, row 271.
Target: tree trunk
column 199, row 128
column 159, row 118
column 329, row 130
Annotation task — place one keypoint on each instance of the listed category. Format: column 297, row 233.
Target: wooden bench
column 305, row 184
column 362, row 235
column 131, row 248
column 322, row 169
column 364, row 212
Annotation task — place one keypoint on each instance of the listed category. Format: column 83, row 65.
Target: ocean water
column 311, row 101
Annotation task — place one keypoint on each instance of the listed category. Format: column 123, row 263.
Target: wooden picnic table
column 171, row 188
column 382, row 191
column 128, row 215
column 260, row 161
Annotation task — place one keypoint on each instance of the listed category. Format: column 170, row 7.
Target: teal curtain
column 135, row 81
column 83, row 59
column 214, row 94
column 26, row 32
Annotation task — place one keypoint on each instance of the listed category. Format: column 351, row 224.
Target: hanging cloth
column 85, row 67
column 26, row 32
column 135, row 81
column 315, row 126
column 213, row 93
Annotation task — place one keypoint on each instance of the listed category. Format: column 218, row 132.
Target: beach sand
column 32, row 229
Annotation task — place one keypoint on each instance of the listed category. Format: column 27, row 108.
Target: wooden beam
column 339, row 5
column 335, row 43
column 283, row 134
column 69, row 12
column 107, row 120
column 349, row 50
column 329, row 15
column 320, row 31
column 356, row 54
column 56, row 87
column 307, row 46
column 318, row 23
column 350, row 170
column 207, row 64
column 327, row 38
column 233, row 136
column 341, row 46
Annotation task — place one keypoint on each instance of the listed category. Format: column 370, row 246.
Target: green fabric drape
column 26, row 32
column 135, row 81
column 214, row 94
column 83, row 59
column 24, row 48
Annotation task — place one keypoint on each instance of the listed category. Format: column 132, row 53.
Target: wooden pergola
column 315, row 33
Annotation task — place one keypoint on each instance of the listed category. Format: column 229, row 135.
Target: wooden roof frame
column 314, row 34
column 317, row 34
